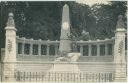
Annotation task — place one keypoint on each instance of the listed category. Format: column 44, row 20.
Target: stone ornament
column 65, row 25
column 10, row 22
column 9, row 45
column 120, row 22
column 120, row 47
column 70, row 57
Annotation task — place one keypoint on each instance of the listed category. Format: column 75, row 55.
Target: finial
column 10, row 22
column 66, row 5
column 120, row 22
column 120, row 17
column 10, row 14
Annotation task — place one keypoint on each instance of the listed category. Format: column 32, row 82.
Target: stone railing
column 63, row 77
column 47, row 47
column 36, row 47
column 40, row 72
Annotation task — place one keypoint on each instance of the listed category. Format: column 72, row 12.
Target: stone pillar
column 81, row 49
column 98, row 49
column 48, row 47
column 119, row 51
column 10, row 50
column 23, row 44
column 90, row 50
column 39, row 49
column 106, row 50
column 56, row 49
column 31, row 49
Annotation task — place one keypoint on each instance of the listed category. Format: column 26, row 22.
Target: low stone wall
column 96, row 58
column 83, row 66
column 45, row 58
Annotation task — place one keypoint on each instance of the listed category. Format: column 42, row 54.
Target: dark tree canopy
column 42, row 20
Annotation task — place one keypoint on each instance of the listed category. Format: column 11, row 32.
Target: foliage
column 42, row 20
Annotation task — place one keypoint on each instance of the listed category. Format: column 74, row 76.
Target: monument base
column 64, row 71
column 64, row 67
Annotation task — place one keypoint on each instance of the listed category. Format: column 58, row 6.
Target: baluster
column 56, row 49
column 30, row 76
column 31, row 49
column 106, row 50
column 81, row 49
column 90, row 50
column 23, row 44
column 39, row 49
column 98, row 49
column 48, row 49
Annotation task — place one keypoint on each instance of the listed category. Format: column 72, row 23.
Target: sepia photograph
column 64, row 41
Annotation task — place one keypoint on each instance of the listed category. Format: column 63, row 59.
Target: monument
column 64, row 63
column 65, row 43
column 112, row 67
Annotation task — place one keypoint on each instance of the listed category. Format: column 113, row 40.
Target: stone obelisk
column 65, row 43
column 64, row 70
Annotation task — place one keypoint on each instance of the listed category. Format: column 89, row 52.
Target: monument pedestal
column 65, row 66
column 64, row 71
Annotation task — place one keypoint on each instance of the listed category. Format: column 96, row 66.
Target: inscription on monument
column 9, row 45
column 120, row 47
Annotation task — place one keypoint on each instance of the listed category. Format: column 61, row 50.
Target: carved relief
column 120, row 47
column 9, row 45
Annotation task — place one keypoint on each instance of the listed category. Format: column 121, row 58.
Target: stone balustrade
column 47, row 47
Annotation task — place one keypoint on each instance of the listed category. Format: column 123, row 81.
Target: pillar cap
column 10, row 14
column 10, row 28
column 10, row 22
column 120, row 22
column 66, row 5
column 120, row 30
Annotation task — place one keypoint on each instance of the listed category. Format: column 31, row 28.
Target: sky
column 91, row 2
column 88, row 2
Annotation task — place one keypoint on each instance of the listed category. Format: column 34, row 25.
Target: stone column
column 23, row 44
column 106, row 50
column 119, row 51
column 98, row 49
column 39, row 49
column 56, row 49
column 48, row 47
column 90, row 50
column 81, row 49
column 31, row 49
column 10, row 51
